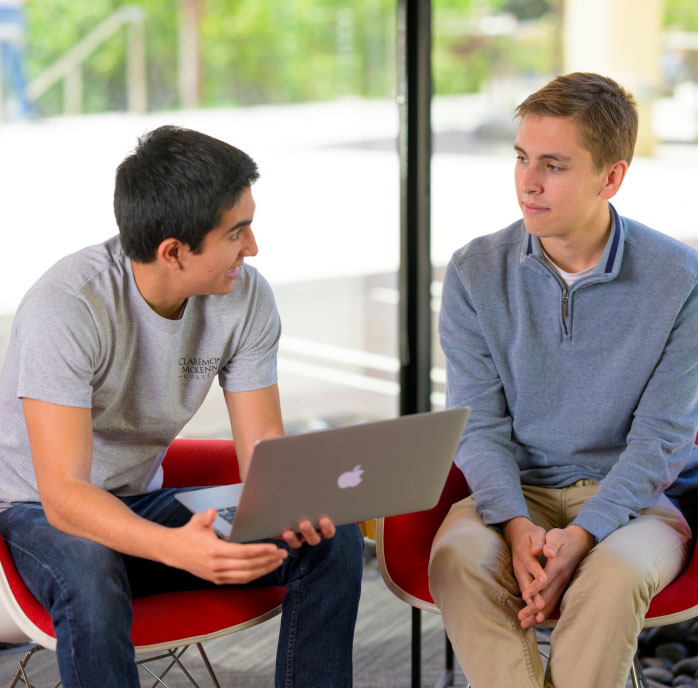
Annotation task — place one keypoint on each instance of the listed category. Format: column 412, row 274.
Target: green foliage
column 281, row 51
column 264, row 51
column 54, row 26
column 465, row 57
column 525, row 9
column 252, row 51
column 681, row 14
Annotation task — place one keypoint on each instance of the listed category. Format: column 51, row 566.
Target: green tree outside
column 291, row 51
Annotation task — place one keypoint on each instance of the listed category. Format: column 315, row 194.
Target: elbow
column 52, row 509
column 52, row 515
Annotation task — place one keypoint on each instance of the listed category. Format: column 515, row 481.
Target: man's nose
column 529, row 181
column 250, row 248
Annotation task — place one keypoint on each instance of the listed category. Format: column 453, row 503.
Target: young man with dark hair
column 93, row 391
column 572, row 336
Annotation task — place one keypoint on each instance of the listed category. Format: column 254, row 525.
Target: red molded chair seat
column 162, row 621
column 404, row 544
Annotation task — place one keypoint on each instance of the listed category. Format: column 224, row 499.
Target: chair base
column 21, row 679
column 447, row 677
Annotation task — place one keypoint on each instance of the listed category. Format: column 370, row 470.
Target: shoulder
column 659, row 251
column 81, row 267
column 72, row 273
column 71, row 282
column 250, row 281
column 491, row 247
column 487, row 259
column 252, row 291
column 250, row 300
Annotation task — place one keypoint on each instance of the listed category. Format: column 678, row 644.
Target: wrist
column 583, row 536
column 163, row 545
column 513, row 526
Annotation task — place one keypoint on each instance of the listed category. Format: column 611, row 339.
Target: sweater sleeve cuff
column 597, row 520
column 501, row 509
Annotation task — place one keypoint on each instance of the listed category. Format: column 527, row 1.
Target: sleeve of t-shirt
column 58, row 348
column 253, row 364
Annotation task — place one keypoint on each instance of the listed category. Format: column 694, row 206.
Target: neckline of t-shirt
column 569, row 278
column 144, row 309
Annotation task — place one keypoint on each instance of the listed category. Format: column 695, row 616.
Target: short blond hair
column 605, row 113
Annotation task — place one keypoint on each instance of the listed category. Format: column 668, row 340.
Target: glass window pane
column 490, row 54
column 307, row 88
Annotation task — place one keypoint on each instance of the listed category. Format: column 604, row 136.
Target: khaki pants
column 593, row 644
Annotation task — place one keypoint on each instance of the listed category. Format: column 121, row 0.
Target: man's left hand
column 564, row 549
column 307, row 533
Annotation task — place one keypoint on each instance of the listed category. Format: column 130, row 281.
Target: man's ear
column 171, row 252
column 613, row 179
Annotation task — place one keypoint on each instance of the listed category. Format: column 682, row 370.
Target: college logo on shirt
column 198, row 368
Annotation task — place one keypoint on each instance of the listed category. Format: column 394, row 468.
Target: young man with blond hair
column 572, row 336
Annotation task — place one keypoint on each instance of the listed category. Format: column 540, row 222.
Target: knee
column 347, row 550
column 621, row 579
column 93, row 576
column 470, row 547
column 471, row 556
column 87, row 588
column 341, row 555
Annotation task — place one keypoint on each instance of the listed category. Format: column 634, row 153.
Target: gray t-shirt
column 84, row 336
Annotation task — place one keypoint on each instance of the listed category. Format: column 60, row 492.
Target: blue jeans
column 87, row 589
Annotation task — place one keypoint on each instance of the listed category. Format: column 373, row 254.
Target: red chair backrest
column 192, row 463
column 407, row 538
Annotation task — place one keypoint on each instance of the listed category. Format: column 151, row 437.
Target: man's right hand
column 196, row 548
column 564, row 549
column 526, row 541
column 61, row 444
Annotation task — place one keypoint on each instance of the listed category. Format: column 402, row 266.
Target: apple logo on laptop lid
column 350, row 478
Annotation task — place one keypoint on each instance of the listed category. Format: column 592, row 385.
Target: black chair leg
column 416, row 647
column 448, row 675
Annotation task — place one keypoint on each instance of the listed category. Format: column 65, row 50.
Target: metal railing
column 68, row 67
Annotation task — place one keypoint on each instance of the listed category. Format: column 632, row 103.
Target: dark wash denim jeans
column 87, row 589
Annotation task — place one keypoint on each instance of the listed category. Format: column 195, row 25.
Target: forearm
column 486, row 455
column 87, row 511
column 661, row 437
column 642, row 473
column 254, row 416
column 494, row 481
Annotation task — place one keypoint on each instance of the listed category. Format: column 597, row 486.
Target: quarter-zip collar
column 609, row 264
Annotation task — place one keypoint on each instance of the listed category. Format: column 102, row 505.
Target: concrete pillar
column 189, row 57
column 620, row 39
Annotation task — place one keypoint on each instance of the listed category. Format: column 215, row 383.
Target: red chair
column 163, row 622
column 403, row 546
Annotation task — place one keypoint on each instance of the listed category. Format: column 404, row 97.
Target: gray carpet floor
column 246, row 659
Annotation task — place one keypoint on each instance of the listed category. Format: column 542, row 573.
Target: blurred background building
column 309, row 89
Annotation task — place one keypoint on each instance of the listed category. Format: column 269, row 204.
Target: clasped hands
column 542, row 585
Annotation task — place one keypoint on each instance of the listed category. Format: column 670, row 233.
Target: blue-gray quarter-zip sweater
column 596, row 381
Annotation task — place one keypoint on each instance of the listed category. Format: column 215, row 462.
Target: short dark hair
column 605, row 113
column 177, row 183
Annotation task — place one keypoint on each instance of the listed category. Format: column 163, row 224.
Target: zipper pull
column 565, row 299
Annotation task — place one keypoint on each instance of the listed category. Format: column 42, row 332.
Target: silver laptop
column 349, row 474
